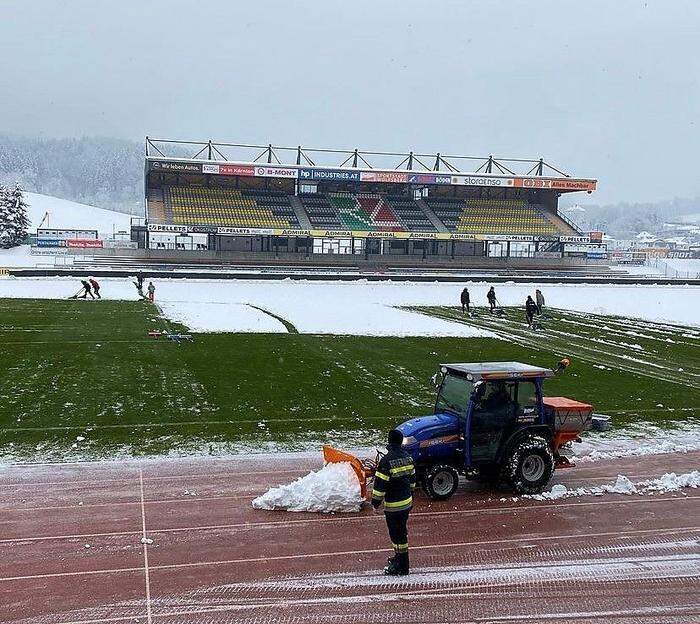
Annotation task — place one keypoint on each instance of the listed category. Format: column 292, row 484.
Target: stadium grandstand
column 244, row 198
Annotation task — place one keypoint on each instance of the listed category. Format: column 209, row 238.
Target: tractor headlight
column 409, row 441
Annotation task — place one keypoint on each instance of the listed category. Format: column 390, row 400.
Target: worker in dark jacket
column 87, row 290
column 394, row 482
column 491, row 297
column 530, row 310
column 464, row 298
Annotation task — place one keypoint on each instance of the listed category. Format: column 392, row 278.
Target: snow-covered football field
column 362, row 308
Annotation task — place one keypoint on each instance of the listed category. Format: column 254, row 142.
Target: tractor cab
column 483, row 412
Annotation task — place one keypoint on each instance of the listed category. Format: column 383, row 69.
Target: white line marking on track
column 538, row 506
column 366, row 551
column 145, row 549
column 91, row 482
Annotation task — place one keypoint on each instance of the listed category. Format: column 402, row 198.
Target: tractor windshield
column 453, row 395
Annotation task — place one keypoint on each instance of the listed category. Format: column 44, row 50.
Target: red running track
column 71, row 550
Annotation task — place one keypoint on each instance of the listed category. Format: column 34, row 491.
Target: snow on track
column 670, row 482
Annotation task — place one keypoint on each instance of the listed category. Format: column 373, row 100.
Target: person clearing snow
column 151, row 292
column 491, row 298
column 84, row 291
column 333, row 488
column 95, row 287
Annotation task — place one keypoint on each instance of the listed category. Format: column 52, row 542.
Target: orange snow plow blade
column 334, row 456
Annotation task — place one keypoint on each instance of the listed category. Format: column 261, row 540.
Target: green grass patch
column 86, row 369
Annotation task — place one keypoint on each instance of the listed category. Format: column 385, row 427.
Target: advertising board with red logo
column 84, row 243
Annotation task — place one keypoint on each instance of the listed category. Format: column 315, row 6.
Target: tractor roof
column 483, row 371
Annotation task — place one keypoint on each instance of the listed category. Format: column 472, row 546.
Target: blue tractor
column 491, row 422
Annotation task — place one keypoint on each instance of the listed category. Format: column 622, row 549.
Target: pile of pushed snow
column 670, row 482
column 333, row 488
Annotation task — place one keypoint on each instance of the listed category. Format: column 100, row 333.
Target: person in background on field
column 95, row 286
column 151, row 291
column 539, row 299
column 139, row 280
column 530, row 310
column 491, row 297
column 464, row 298
column 87, row 290
column 394, row 482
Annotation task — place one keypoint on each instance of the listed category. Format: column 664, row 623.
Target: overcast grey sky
column 608, row 89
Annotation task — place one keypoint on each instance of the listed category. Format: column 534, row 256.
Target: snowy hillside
column 68, row 214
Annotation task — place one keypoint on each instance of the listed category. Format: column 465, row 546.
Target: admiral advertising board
column 573, row 242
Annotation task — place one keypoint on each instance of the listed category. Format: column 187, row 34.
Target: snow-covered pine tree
column 4, row 213
column 14, row 220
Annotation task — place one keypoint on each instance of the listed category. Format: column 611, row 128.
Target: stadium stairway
column 299, row 211
column 439, row 225
column 560, row 224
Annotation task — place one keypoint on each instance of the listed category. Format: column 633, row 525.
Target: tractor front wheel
column 529, row 465
column 440, row 481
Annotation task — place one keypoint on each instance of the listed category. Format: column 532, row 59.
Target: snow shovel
column 362, row 469
column 75, row 296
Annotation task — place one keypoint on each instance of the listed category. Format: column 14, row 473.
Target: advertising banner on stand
column 269, row 171
column 397, row 177
column 481, row 180
column 167, row 227
column 429, row 178
column 84, row 243
column 337, row 175
column 171, row 166
column 558, row 183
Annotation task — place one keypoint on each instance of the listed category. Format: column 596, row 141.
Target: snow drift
column 333, row 488
column 670, row 482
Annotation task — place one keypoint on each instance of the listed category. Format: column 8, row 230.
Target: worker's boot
column 392, row 567
column 402, row 563
column 398, row 565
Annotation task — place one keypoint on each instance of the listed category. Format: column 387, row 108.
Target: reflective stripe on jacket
column 394, row 480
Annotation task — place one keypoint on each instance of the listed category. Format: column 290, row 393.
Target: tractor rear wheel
column 440, row 481
column 529, row 465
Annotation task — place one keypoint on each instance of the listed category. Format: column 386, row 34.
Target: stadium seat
column 492, row 216
column 410, row 214
column 192, row 205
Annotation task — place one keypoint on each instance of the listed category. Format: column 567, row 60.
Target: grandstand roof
column 315, row 164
